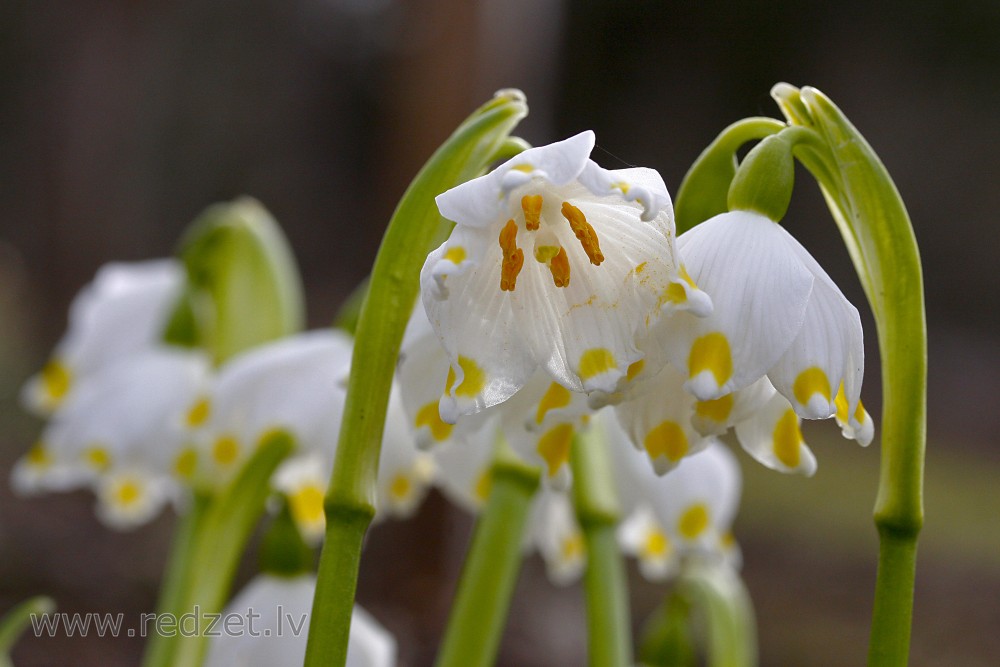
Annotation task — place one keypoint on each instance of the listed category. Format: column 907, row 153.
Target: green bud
column 243, row 288
column 764, row 180
column 282, row 550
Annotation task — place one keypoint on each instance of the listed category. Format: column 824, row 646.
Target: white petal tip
column 704, row 386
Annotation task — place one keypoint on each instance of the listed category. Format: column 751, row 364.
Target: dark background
column 120, row 121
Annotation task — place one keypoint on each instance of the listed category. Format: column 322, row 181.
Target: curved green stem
column 609, row 630
column 350, row 501
column 479, row 611
column 877, row 230
column 17, row 620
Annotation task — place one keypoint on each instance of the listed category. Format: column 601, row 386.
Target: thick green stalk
column 180, row 569
column 609, row 630
column 479, row 611
column 878, row 233
column 227, row 525
column 350, row 501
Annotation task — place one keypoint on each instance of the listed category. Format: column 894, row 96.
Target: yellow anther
column 56, row 380
column 634, row 369
column 198, row 413
column 532, row 207
column 554, row 447
column 225, row 450
column 306, row 505
column 667, row 439
column 717, row 410
column 788, row 439
column 595, row 361
column 430, row 416
column 711, row 353
column 545, row 253
column 455, row 254
column 473, row 381
column 559, row 266
column 127, row 493
column 694, row 521
column 811, row 381
column 556, row 396
column 513, row 257
column 400, row 487
column 584, row 232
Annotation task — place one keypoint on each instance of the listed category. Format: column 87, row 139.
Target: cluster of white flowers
column 731, row 325
column 143, row 423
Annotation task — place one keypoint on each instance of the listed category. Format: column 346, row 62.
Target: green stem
column 877, row 230
column 350, row 500
column 227, row 525
column 176, row 579
column 17, row 620
column 667, row 637
column 479, row 612
column 595, row 497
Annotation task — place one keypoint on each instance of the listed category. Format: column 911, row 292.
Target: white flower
column 121, row 433
column 555, row 532
column 267, row 624
column 122, row 312
column 554, row 263
column 777, row 313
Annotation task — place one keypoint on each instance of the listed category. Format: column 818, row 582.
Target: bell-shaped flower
column 554, row 263
column 120, row 433
column 267, row 624
column 122, row 312
column 777, row 313
column 555, row 532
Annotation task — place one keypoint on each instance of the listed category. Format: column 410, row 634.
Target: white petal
column 717, row 416
column 556, row 534
column 404, row 472
column 640, row 185
column 772, row 436
column 464, row 468
column 759, row 290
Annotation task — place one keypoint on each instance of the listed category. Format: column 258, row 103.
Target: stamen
column 513, row 257
column 532, row 207
column 559, row 266
column 584, row 232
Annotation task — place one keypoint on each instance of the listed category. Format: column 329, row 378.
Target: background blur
column 120, row 121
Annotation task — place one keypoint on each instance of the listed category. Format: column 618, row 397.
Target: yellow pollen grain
column 198, row 413
column 225, row 450
column 667, row 439
column 430, row 416
column 513, row 257
column 717, row 410
column 559, row 267
column 127, row 493
column 97, row 457
column 186, row 462
column 788, row 439
column 556, row 396
column 56, row 379
column 811, row 381
column 484, row 483
column 554, row 447
column 634, row 369
column 455, row 254
column 473, row 381
column 584, row 232
column 400, row 487
column 641, row 268
column 711, row 353
column 39, row 456
column 693, row 521
column 656, row 544
column 306, row 504
column 531, row 205
column 595, row 361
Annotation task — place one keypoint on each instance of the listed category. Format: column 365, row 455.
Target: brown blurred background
column 120, row 121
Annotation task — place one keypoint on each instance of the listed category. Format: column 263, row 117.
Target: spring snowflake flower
column 272, row 617
column 554, row 263
column 555, row 532
column 777, row 313
column 119, row 434
column 122, row 312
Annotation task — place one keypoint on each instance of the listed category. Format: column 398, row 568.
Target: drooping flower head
column 554, row 263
